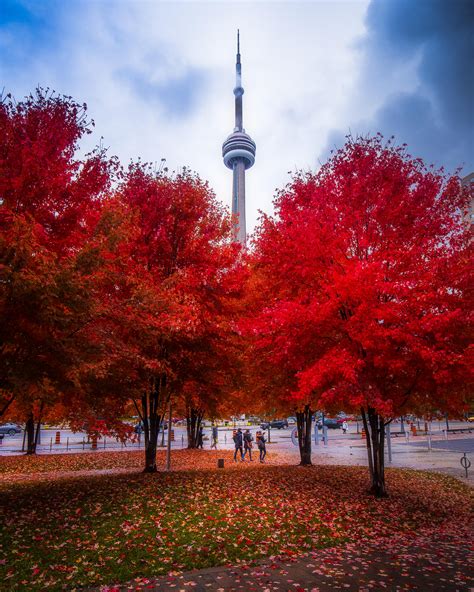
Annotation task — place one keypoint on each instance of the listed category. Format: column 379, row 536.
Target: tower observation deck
column 238, row 152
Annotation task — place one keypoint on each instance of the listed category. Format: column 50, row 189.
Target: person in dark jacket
column 238, row 441
column 262, row 448
column 248, row 444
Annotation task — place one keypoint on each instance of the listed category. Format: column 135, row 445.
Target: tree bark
column 303, row 424
column 31, row 433
column 5, row 407
column 374, row 425
column 154, row 401
column 193, row 425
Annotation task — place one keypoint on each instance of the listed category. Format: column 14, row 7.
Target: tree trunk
column 150, row 458
column 374, row 425
column 153, row 409
column 303, row 424
column 30, row 435
column 6, row 405
column 193, row 425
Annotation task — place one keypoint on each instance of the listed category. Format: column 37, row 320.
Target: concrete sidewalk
column 444, row 456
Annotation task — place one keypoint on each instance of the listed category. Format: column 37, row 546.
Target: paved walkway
column 444, row 457
column 438, row 562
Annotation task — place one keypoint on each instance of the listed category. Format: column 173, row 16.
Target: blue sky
column 158, row 78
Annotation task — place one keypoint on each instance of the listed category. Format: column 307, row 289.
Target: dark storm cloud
column 436, row 119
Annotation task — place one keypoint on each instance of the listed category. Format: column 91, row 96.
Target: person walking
column 238, row 441
column 248, row 438
column 344, row 426
column 215, row 436
column 262, row 448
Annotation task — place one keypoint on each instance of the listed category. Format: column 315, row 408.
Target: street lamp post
column 168, row 449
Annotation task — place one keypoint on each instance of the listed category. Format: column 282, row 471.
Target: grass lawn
column 93, row 530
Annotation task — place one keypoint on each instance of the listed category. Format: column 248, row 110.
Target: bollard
column 225, row 438
column 220, row 463
column 104, row 443
column 362, row 433
column 67, row 445
column 413, row 429
column 182, row 440
column 465, row 463
column 58, row 438
column 172, row 435
column 94, row 443
column 83, row 443
column 325, row 435
column 50, row 444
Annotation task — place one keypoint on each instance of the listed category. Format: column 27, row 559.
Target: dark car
column 10, row 428
column 276, row 423
column 333, row 424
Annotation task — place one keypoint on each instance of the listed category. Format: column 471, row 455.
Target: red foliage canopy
column 367, row 267
column 40, row 177
column 168, row 286
column 49, row 205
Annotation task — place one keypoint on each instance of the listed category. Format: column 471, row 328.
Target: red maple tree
column 367, row 304
column 50, row 201
column 168, row 287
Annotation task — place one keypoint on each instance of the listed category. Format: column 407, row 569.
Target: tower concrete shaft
column 238, row 199
column 238, row 151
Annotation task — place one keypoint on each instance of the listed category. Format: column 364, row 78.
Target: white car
column 10, row 428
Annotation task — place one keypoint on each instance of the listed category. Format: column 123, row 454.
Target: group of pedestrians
column 244, row 443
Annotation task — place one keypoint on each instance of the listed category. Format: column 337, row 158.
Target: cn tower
column 239, row 154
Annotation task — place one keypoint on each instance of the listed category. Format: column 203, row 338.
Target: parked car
column 11, row 429
column 330, row 423
column 139, row 427
column 276, row 423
